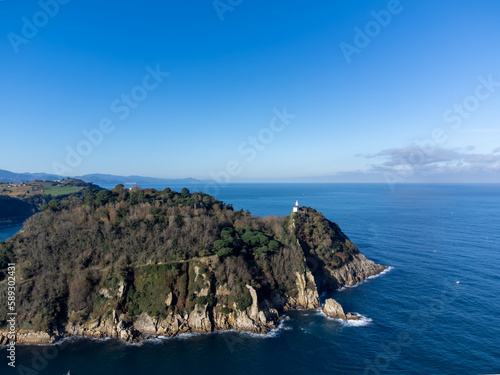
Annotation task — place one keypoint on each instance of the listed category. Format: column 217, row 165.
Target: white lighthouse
column 296, row 208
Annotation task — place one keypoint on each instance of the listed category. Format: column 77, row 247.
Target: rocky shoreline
column 261, row 317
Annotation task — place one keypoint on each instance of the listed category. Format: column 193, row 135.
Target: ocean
column 436, row 311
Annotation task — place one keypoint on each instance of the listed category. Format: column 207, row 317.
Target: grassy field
column 61, row 190
column 34, row 188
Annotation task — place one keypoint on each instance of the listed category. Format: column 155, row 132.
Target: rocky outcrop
column 146, row 324
column 352, row 316
column 334, row 310
column 27, row 337
column 199, row 319
column 202, row 318
column 169, row 300
column 259, row 317
column 106, row 293
column 353, row 272
column 307, row 296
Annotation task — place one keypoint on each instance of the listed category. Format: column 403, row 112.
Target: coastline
column 262, row 321
column 11, row 223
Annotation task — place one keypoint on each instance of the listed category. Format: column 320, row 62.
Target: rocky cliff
column 260, row 317
column 355, row 271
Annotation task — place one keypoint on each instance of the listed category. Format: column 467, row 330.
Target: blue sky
column 417, row 100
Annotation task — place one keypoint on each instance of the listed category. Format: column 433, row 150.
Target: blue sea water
column 418, row 319
column 7, row 231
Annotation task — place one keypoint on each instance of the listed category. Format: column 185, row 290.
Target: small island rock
column 334, row 309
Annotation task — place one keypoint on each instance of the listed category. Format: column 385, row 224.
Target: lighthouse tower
column 296, row 208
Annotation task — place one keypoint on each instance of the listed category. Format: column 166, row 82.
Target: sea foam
column 364, row 321
column 390, row 268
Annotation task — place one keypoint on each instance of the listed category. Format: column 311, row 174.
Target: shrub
column 225, row 310
column 227, row 232
column 224, row 251
column 261, row 250
column 210, row 301
column 244, row 302
column 54, row 205
column 273, row 245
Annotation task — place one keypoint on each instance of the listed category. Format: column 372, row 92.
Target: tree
column 88, row 196
column 225, row 251
column 244, row 301
column 103, row 197
column 54, row 205
column 273, row 245
column 120, row 192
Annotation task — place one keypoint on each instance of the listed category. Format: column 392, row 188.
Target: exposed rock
column 354, row 271
column 203, row 292
column 124, row 335
column 334, row 309
column 352, row 316
column 144, row 323
column 27, row 337
column 169, row 299
column 242, row 321
column 307, row 297
column 222, row 290
column 100, row 328
column 105, row 293
column 254, row 309
column 199, row 319
column 121, row 288
column 94, row 324
column 258, row 318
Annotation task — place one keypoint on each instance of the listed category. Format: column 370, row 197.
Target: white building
column 296, row 208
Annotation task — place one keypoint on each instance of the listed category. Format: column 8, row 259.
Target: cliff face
column 307, row 293
column 130, row 270
column 355, row 271
column 260, row 317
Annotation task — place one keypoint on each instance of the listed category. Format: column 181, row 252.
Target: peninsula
column 140, row 262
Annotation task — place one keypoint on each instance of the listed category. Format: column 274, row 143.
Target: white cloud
column 436, row 160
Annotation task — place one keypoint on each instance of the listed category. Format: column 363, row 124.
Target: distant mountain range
column 96, row 178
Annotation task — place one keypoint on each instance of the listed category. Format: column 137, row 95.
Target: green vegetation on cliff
column 159, row 252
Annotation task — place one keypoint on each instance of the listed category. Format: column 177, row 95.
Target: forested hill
column 164, row 254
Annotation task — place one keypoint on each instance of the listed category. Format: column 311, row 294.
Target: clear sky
column 256, row 90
